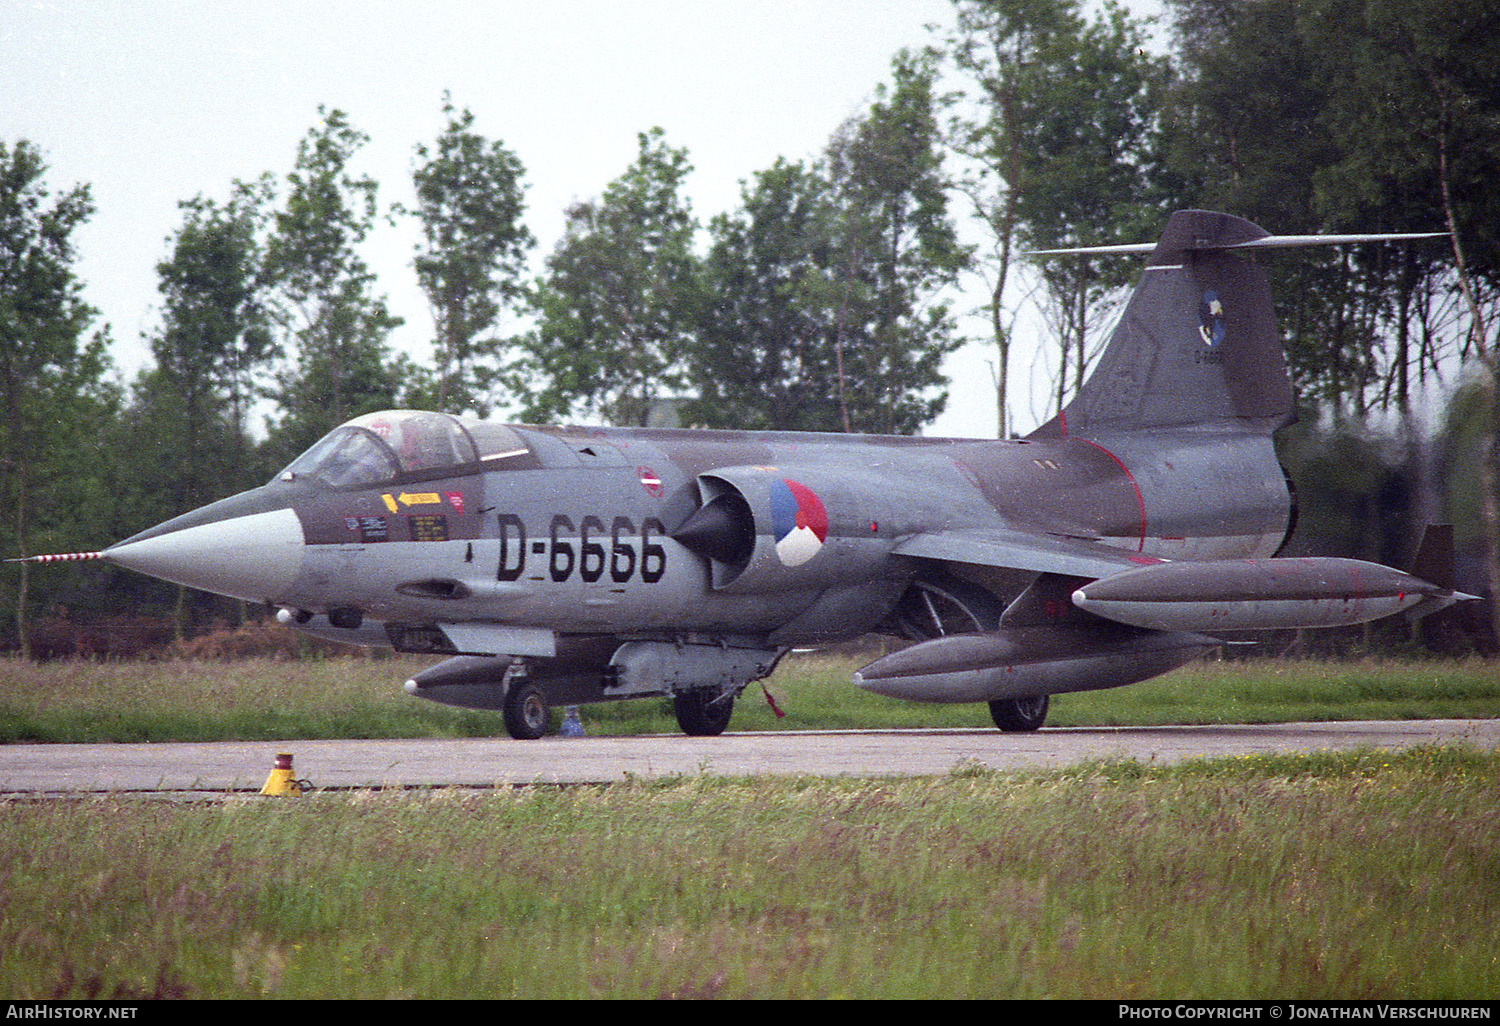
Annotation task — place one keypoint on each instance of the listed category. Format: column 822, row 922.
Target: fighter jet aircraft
column 565, row 565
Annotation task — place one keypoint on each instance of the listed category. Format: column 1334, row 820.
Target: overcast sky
column 154, row 102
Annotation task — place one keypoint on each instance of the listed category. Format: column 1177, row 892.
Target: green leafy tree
column 322, row 292
column 52, row 377
column 764, row 357
column 618, row 305
column 1248, row 135
column 1428, row 70
column 1413, row 107
column 1380, row 117
column 893, row 253
column 1089, row 167
column 470, row 201
column 1375, row 115
column 823, row 303
column 1004, row 51
column 1058, row 128
column 215, row 334
column 1245, row 110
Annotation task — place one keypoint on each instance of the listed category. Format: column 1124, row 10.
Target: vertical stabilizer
column 1197, row 345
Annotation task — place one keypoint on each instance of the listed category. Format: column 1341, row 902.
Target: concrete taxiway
column 501, row 762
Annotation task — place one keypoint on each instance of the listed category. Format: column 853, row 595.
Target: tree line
column 823, row 301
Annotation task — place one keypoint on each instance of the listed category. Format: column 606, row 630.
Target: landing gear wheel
column 526, row 712
column 1019, row 714
column 703, row 712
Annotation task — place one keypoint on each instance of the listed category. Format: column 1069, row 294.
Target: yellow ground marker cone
column 282, row 780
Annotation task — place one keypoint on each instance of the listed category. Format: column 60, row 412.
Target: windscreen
column 379, row 446
column 345, row 456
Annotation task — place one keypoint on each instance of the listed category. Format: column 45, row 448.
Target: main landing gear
column 1019, row 714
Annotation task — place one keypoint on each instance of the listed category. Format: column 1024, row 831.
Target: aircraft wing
column 1023, row 550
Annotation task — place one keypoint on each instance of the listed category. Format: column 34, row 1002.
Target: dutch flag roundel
column 798, row 520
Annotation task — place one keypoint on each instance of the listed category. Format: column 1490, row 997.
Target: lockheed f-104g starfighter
column 564, row 565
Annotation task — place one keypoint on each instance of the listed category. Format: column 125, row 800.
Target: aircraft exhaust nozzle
column 1018, row 662
column 1267, row 594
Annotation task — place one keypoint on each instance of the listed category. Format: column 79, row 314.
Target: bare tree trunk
column 1002, row 359
column 838, row 340
column 23, row 635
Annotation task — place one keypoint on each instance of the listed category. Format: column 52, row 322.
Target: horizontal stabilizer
column 1264, row 242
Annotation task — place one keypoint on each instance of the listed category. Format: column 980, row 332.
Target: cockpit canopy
column 380, row 447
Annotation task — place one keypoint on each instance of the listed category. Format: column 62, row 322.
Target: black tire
column 526, row 711
column 703, row 712
column 1019, row 714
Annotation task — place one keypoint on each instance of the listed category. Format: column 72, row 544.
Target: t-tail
column 1198, row 344
column 1184, row 401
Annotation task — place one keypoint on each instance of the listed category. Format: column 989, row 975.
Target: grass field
column 1358, row 875
column 179, row 700
column 1329, row 876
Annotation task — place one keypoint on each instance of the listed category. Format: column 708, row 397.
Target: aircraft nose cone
column 254, row 556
